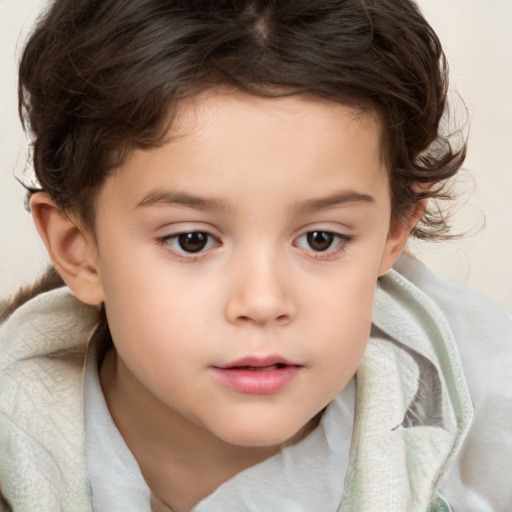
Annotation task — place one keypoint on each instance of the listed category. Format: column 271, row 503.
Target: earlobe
column 398, row 235
column 72, row 249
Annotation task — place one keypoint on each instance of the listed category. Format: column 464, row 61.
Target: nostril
column 281, row 319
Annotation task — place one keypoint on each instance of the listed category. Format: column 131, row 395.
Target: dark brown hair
column 99, row 78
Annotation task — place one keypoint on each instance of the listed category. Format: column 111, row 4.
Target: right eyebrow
column 161, row 197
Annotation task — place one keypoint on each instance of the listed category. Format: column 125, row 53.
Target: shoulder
column 480, row 478
column 42, row 346
column 52, row 322
column 42, row 350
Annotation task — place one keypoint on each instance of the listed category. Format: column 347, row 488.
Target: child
column 225, row 186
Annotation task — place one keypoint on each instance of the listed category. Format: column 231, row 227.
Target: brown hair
column 99, row 78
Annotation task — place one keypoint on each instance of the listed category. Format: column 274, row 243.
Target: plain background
column 478, row 42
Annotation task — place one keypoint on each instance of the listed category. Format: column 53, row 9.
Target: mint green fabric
column 439, row 504
column 398, row 458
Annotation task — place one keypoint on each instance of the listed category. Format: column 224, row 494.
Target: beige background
column 478, row 42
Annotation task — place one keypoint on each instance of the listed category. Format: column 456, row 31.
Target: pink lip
column 257, row 376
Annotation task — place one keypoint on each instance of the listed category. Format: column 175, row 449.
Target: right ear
column 71, row 248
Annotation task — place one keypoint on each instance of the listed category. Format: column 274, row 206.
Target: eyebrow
column 336, row 199
column 175, row 198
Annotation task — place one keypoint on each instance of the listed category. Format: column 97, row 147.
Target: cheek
column 341, row 311
column 345, row 295
column 156, row 308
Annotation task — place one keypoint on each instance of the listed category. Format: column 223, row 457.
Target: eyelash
column 173, row 243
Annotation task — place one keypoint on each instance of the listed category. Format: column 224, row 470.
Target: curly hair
column 99, row 78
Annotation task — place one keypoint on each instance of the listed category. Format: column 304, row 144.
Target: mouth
column 257, row 376
column 259, row 363
column 260, row 368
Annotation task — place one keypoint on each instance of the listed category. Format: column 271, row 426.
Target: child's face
column 239, row 262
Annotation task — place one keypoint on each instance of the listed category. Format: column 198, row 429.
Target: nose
column 260, row 293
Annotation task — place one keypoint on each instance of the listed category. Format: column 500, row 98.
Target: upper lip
column 258, row 362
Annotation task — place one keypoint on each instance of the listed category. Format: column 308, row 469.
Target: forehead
column 222, row 105
column 222, row 142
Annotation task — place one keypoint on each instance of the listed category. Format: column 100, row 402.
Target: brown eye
column 192, row 242
column 320, row 240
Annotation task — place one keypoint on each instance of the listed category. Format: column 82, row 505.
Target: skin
column 255, row 176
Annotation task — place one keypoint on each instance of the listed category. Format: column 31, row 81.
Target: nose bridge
column 260, row 290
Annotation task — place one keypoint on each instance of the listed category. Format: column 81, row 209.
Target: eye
column 190, row 243
column 322, row 241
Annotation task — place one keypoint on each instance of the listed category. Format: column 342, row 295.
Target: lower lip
column 256, row 382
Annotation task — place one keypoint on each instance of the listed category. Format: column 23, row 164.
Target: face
column 239, row 261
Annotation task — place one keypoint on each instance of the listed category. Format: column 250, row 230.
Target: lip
column 257, row 376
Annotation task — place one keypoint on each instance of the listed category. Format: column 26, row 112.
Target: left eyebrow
column 336, row 199
column 159, row 197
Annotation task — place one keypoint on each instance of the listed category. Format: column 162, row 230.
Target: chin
column 261, row 435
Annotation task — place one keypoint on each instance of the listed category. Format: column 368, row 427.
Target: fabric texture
column 114, row 476
column 412, row 414
column 480, row 479
column 42, row 349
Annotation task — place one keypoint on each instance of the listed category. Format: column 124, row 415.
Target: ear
column 71, row 248
column 398, row 235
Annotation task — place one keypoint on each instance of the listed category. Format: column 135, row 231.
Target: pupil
column 320, row 240
column 192, row 242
